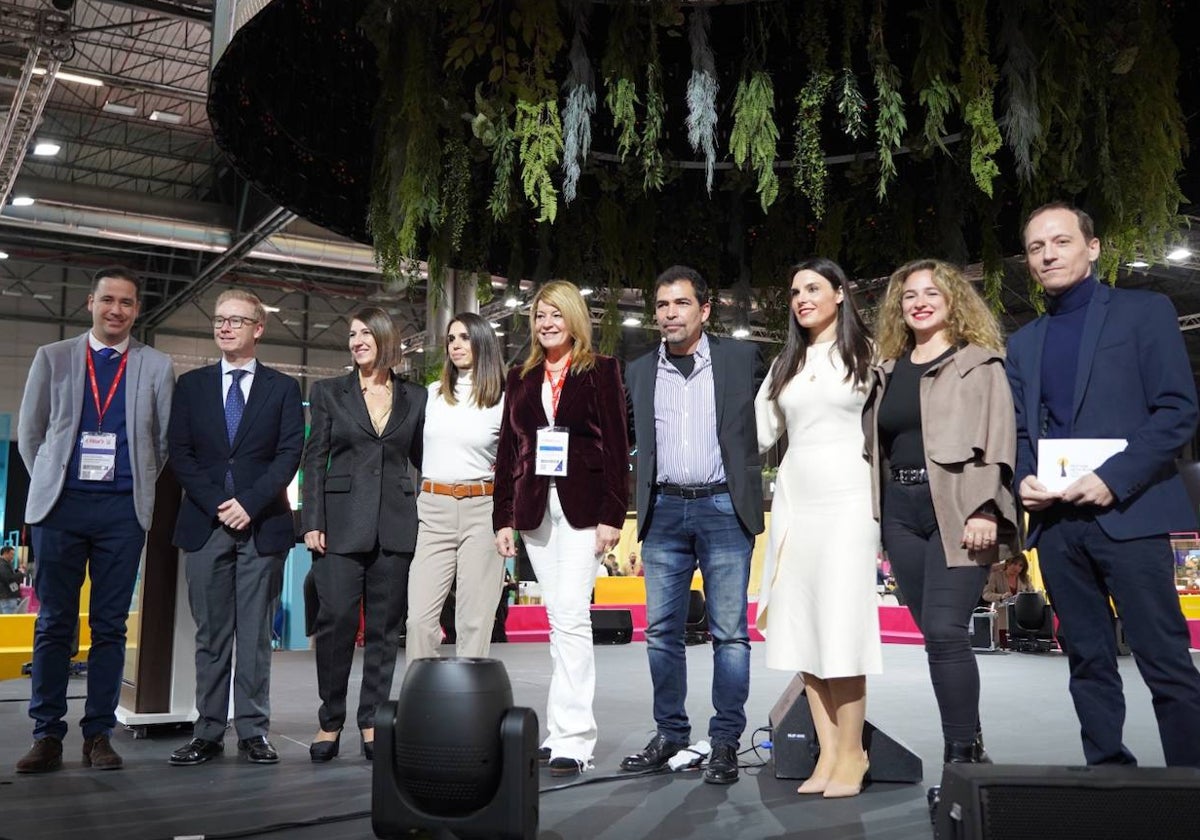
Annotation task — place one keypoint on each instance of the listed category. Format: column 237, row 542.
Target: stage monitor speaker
column 1007, row 802
column 794, row 744
column 612, row 627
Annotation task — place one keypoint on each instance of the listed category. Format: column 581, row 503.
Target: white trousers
column 565, row 562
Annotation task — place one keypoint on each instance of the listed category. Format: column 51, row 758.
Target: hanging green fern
column 755, row 135
column 889, row 121
column 539, row 135
column 504, row 158
column 932, row 69
column 851, row 105
column 653, row 165
column 1022, row 126
column 810, row 172
column 580, row 105
column 978, row 82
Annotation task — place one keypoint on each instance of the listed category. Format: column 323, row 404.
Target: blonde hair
column 564, row 296
column 968, row 318
column 260, row 314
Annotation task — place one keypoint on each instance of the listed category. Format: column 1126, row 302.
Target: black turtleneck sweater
column 1060, row 355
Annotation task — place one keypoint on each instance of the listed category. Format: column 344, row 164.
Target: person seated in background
column 610, row 565
column 1005, row 581
column 635, row 565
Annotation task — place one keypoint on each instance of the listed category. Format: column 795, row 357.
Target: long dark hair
column 487, row 369
column 853, row 342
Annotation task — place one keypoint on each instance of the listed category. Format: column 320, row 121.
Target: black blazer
column 263, row 457
column 596, row 488
column 738, row 369
column 357, row 485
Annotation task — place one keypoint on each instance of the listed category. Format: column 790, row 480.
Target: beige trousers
column 455, row 545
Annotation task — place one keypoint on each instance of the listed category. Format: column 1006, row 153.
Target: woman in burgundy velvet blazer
column 567, row 522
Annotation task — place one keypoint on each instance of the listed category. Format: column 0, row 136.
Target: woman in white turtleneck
column 455, row 544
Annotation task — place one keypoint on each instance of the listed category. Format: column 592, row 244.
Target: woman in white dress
column 817, row 605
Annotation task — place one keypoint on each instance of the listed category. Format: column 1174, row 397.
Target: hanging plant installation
column 599, row 138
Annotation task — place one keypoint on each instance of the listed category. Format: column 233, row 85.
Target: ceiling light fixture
column 512, row 302
column 43, row 296
column 587, row 290
column 67, row 76
column 632, row 322
column 46, row 148
column 22, row 201
column 120, row 108
column 10, row 293
column 267, row 308
column 166, row 117
column 1137, row 264
column 3, row 255
column 741, row 332
column 1179, row 254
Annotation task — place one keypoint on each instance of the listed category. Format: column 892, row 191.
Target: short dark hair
column 1086, row 226
column 684, row 272
column 8, row 549
column 119, row 272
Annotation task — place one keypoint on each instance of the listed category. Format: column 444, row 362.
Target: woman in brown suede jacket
column 940, row 435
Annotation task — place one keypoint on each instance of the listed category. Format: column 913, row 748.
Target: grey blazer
column 738, row 370
column 52, row 408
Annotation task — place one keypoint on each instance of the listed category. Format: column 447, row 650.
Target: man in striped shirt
column 699, row 502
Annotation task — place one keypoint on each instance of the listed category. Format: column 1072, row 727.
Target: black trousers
column 378, row 581
column 1083, row 567
column 941, row 599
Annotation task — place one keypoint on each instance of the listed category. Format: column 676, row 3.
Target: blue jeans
column 99, row 533
column 683, row 532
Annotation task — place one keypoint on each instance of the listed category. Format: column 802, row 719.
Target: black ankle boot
column 934, row 797
column 961, row 752
column 981, row 756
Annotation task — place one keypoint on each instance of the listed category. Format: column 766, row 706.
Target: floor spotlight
column 453, row 756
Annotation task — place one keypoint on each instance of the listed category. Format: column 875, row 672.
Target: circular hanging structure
column 291, row 102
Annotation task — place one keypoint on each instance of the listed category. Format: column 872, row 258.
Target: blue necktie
column 235, row 405
column 108, row 354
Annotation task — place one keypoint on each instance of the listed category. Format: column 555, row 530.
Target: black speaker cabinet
column 612, row 627
column 794, row 745
column 983, row 630
column 1013, row 802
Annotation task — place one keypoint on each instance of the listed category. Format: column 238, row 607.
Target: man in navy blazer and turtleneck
column 93, row 435
column 236, row 436
column 1108, row 363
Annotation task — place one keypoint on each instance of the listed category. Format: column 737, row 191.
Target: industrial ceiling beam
column 194, row 12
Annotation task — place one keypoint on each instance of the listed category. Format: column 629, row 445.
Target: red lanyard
column 91, row 367
column 556, row 387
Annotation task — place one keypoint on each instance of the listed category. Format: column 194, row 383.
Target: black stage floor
column 1027, row 718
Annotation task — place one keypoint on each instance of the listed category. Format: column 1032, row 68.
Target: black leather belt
column 906, row 475
column 693, row 491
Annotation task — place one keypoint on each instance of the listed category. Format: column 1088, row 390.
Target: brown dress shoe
column 98, row 753
column 45, row 756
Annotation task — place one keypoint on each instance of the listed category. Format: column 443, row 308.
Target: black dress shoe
column 543, row 755
column 196, row 751
column 368, row 749
column 722, row 766
column 655, row 756
column 322, row 751
column 258, row 750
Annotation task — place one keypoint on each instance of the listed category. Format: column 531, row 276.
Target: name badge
column 552, row 451
column 98, row 456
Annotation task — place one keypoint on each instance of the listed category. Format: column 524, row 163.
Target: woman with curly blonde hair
column 941, row 439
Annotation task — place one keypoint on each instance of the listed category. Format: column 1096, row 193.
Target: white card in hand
column 1062, row 460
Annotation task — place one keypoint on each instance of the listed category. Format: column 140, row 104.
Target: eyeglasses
column 235, row 321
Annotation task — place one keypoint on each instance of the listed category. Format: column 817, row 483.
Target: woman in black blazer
column 360, row 521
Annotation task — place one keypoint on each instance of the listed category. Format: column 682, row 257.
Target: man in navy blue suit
column 235, row 438
column 1108, row 363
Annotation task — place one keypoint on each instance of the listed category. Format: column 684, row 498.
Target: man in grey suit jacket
column 236, row 434
column 93, row 435
column 699, row 500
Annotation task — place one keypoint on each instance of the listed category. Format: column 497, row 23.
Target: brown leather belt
column 461, row 490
